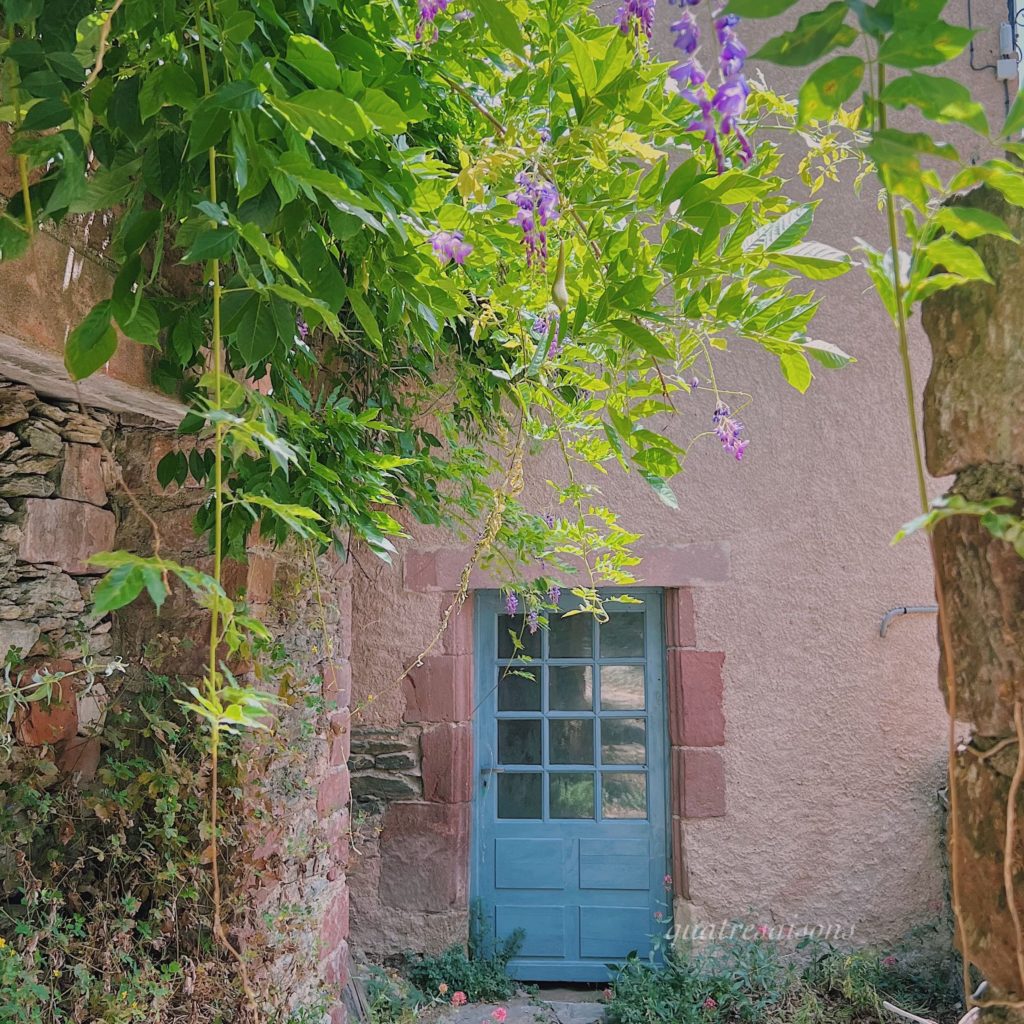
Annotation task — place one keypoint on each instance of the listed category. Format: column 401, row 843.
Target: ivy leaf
column 814, row 36
column 334, row 117
column 827, row 88
column 922, row 45
column 314, row 60
column 939, row 99
column 92, row 343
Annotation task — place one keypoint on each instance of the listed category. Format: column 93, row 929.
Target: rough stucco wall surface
column 835, row 737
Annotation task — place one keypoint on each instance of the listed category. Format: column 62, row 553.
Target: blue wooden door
column 570, row 809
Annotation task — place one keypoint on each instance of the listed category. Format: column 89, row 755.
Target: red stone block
column 333, row 792
column 340, row 737
column 336, row 834
column 80, row 755
column 440, row 690
column 695, row 685
column 447, row 763
column 680, row 869
column 259, row 579
column 458, row 637
column 698, row 783
column 338, row 683
column 334, row 968
column 334, row 924
column 48, row 722
column 339, row 1014
column 680, row 619
column 425, row 856
column 66, row 533
column 81, row 479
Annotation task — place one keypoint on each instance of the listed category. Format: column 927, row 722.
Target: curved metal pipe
column 906, row 609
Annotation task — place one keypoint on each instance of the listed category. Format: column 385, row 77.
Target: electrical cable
column 970, row 25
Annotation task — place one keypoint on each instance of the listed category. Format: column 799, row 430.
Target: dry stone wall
column 74, row 482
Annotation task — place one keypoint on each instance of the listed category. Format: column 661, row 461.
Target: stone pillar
column 974, row 429
column 696, row 725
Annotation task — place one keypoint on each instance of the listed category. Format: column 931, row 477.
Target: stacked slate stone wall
column 75, row 482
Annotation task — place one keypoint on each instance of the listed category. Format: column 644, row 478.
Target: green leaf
column 814, row 36
column 957, row 258
column 759, row 8
column 166, row 86
column 827, row 88
column 334, row 117
column 118, row 588
column 136, row 229
column 969, row 223
column 640, row 335
column 211, row 243
column 583, row 62
column 365, row 317
column 503, row 24
column 815, row 260
column 661, row 489
column 782, row 232
column 796, row 370
column 140, row 322
column 939, row 99
column 92, row 343
column 1014, row 123
column 314, row 60
column 384, row 112
column 46, row 114
column 922, row 45
column 827, row 354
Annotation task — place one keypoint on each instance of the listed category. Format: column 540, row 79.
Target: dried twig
column 906, row 1014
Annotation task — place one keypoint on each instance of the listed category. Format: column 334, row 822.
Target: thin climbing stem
column 26, row 195
column 213, row 670
column 945, row 631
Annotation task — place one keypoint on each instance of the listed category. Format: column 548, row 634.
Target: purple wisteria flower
column 728, row 430
column 429, row 10
column 636, row 16
column 541, row 330
column 511, row 603
column 450, row 246
column 719, row 115
column 537, row 206
column 545, row 133
column 301, row 327
column 554, row 594
column 533, row 621
column 549, row 520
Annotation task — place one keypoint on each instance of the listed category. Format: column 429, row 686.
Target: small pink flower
column 710, row 1004
column 443, row 988
column 889, row 961
column 608, row 995
column 499, row 1015
column 459, row 999
column 658, row 915
column 667, row 881
column 762, row 931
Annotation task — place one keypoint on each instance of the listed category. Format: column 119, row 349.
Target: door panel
column 570, row 806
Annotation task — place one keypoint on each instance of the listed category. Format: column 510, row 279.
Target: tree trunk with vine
column 974, row 430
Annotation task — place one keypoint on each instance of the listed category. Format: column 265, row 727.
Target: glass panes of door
column 572, row 709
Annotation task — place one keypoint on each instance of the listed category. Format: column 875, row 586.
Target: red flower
column 710, row 1004
column 459, row 999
